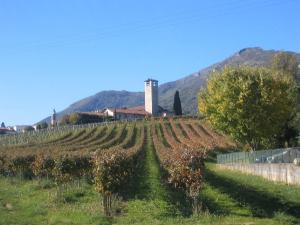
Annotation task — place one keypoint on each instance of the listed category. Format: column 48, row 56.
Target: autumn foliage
column 110, row 156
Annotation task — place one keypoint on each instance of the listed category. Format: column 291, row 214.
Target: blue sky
column 55, row 52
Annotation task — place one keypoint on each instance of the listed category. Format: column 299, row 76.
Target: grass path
column 151, row 177
column 150, row 204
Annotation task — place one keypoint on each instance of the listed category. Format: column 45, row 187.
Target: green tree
column 286, row 63
column 81, row 118
column 249, row 103
column 65, row 120
column 28, row 128
column 75, row 118
column 42, row 125
column 177, row 104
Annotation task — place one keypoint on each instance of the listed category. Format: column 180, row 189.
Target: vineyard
column 110, row 154
column 112, row 157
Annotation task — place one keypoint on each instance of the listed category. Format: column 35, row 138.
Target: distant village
column 150, row 109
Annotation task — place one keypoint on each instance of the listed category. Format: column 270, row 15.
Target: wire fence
column 282, row 155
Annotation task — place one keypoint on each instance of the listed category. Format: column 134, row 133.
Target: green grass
column 153, row 203
column 264, row 199
column 36, row 202
column 149, row 200
column 228, row 198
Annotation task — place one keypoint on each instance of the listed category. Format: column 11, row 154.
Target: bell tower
column 151, row 96
column 54, row 119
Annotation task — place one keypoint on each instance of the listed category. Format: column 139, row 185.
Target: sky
column 54, row 52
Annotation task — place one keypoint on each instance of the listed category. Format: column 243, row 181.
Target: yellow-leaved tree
column 251, row 104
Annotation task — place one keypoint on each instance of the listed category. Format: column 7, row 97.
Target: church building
column 151, row 107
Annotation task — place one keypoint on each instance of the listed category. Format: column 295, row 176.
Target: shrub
column 21, row 165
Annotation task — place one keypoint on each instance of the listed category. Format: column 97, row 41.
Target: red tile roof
column 139, row 110
column 4, row 130
column 93, row 113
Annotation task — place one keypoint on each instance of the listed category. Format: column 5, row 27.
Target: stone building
column 151, row 97
column 54, row 119
column 151, row 107
column 127, row 113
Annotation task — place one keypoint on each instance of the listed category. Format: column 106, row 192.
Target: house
column 127, row 113
column 6, row 130
column 22, row 128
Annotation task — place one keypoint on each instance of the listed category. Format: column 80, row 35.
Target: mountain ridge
column 188, row 86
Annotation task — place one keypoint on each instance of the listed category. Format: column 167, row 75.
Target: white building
column 6, row 130
column 151, row 107
column 54, row 119
column 127, row 113
column 22, row 128
column 151, row 97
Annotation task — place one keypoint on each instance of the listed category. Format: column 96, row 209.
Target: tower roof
column 149, row 79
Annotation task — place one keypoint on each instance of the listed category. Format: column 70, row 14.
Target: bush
column 21, row 165
column 81, row 118
column 43, row 166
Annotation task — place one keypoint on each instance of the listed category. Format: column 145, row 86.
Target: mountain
column 104, row 99
column 117, row 99
column 188, row 86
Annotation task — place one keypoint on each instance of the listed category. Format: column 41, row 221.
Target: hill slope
column 104, row 99
column 188, row 86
